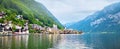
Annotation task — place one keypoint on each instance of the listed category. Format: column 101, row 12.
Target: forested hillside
column 31, row 10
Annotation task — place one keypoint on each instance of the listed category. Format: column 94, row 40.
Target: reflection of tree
column 54, row 39
column 14, row 42
column 38, row 42
column 5, row 42
column 19, row 42
column 24, row 41
column 42, row 41
column 29, row 41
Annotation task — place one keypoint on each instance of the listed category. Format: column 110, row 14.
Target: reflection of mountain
column 106, row 20
column 31, row 10
column 71, row 42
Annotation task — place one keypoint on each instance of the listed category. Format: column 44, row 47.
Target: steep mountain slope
column 31, row 10
column 69, row 24
column 106, row 20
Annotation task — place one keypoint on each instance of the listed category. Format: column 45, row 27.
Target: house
column 37, row 27
column 6, row 28
column 22, row 30
column 49, row 29
column 18, row 29
column 55, row 29
column 34, row 26
column 1, row 28
column 19, row 16
column 25, row 30
column 2, row 14
column 37, row 19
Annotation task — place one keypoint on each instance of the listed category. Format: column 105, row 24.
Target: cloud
column 74, row 10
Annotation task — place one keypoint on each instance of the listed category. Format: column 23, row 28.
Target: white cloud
column 74, row 10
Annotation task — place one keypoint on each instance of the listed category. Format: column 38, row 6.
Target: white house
column 25, row 29
column 19, row 16
column 18, row 29
column 2, row 14
column 6, row 28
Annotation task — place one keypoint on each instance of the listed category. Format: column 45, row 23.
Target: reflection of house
column 5, row 41
column 25, row 40
column 2, row 14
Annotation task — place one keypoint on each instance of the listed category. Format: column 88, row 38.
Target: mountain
column 31, row 10
column 106, row 20
column 69, row 24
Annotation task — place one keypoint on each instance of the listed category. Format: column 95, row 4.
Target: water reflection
column 5, row 41
column 102, row 41
column 56, row 41
column 71, row 41
column 89, row 41
column 13, row 42
column 43, row 41
column 32, row 41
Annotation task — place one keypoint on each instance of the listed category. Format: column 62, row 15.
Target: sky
column 69, row 11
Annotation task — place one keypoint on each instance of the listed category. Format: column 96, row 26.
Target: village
column 6, row 28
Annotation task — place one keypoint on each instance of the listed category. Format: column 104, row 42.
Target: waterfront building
column 18, row 29
column 25, row 30
column 19, row 16
column 2, row 14
column 6, row 28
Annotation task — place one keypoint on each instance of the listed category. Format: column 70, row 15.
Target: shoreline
column 29, row 34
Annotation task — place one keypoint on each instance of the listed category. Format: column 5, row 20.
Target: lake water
column 68, row 41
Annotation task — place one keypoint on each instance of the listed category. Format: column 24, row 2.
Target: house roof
column 2, row 14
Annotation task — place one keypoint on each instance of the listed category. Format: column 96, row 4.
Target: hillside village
column 8, row 28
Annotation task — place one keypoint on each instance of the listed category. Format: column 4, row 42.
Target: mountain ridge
column 101, row 21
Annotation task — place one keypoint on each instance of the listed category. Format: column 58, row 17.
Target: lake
column 63, row 41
